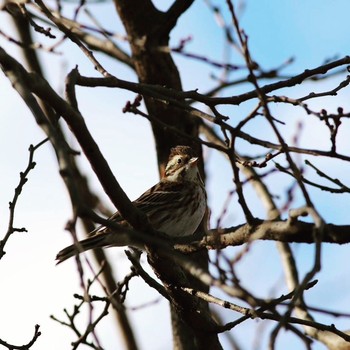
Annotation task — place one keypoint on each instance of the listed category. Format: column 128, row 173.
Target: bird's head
column 182, row 165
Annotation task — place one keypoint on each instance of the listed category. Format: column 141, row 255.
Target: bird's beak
column 193, row 162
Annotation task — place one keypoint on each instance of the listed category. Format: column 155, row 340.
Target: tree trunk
column 148, row 32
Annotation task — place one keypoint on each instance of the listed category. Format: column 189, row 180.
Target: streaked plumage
column 175, row 206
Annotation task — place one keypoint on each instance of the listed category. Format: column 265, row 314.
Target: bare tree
column 198, row 275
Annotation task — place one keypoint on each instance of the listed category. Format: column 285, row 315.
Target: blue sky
column 310, row 31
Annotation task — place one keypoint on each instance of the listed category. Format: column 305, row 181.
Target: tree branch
column 281, row 231
column 23, row 180
column 27, row 346
column 172, row 15
column 34, row 83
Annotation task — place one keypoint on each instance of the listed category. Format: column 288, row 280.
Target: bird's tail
column 97, row 241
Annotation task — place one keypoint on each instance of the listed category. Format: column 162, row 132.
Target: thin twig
column 18, row 190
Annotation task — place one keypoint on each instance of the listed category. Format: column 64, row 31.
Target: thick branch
column 171, row 16
column 282, row 231
column 38, row 85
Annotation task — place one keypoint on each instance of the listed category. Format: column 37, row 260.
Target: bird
column 174, row 206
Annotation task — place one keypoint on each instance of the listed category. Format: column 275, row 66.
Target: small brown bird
column 175, row 205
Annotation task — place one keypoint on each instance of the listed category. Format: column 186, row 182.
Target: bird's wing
column 158, row 196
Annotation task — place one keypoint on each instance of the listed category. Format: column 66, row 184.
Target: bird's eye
column 179, row 161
